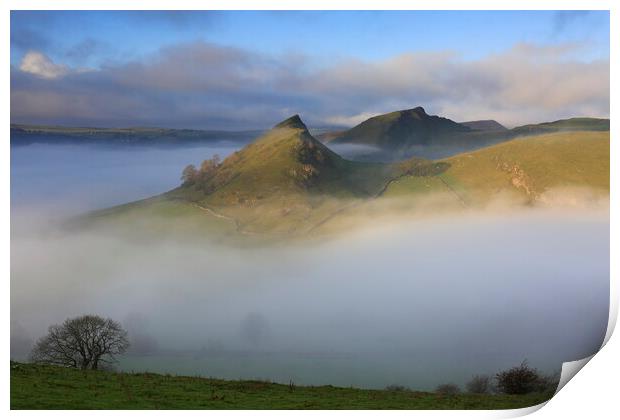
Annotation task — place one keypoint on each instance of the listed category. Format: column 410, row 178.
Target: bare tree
column 85, row 342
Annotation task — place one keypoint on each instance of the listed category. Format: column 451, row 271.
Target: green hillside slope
column 402, row 134
column 554, row 169
column 526, row 168
column 286, row 183
column 570, row 124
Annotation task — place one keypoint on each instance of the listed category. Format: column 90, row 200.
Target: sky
column 251, row 69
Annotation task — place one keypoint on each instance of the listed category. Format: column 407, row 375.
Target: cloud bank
column 210, row 86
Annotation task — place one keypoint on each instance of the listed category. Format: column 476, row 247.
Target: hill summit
column 285, row 180
column 285, row 160
column 292, row 122
column 401, row 130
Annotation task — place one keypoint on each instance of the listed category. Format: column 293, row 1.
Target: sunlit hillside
column 287, row 183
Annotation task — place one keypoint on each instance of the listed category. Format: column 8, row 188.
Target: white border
column 593, row 394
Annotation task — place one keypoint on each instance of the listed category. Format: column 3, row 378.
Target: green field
column 49, row 387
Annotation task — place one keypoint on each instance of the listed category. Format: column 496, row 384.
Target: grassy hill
column 526, row 168
column 285, row 182
column 402, row 134
column 401, row 129
column 48, row 387
column 570, row 124
column 556, row 169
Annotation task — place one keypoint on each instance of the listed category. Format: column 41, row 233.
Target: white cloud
column 40, row 65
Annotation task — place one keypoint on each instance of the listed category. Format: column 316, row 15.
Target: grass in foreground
column 49, row 387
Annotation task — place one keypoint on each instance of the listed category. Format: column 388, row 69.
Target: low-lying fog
column 81, row 178
column 372, row 153
column 415, row 302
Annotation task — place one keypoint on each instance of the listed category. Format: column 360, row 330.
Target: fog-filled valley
column 75, row 178
column 413, row 301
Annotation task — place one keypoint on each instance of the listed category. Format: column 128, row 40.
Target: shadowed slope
column 402, row 134
column 401, row 129
column 484, row 125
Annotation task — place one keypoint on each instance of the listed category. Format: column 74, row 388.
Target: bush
column 479, row 384
column 519, row 380
column 448, row 389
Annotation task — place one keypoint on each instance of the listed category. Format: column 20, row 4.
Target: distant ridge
column 569, row 124
column 401, row 129
column 404, row 134
column 484, row 125
column 25, row 134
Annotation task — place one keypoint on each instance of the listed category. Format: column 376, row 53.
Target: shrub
column 448, row 389
column 479, row 384
column 518, row 380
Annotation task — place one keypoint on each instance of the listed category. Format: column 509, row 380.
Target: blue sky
column 68, row 50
